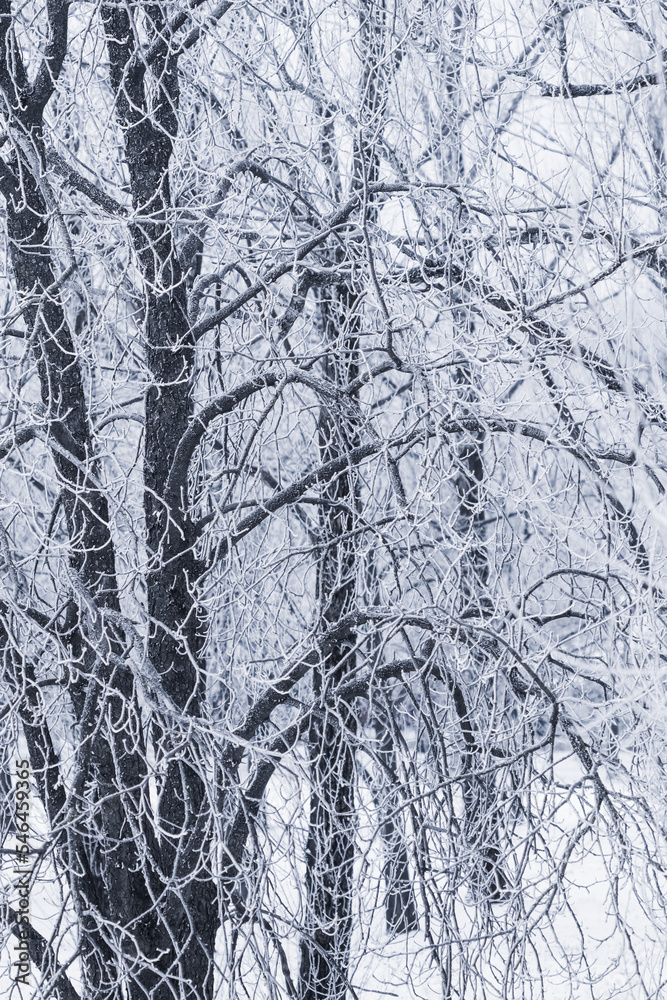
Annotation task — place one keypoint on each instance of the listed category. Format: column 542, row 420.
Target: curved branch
column 143, row 59
column 279, row 691
column 19, row 437
column 201, row 422
column 538, row 434
column 229, row 400
column 75, row 180
column 300, row 252
column 543, row 331
column 292, row 493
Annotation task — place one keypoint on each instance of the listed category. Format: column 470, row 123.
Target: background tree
column 332, row 473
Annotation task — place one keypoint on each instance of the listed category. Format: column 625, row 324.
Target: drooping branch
column 544, row 333
column 301, row 251
column 227, row 402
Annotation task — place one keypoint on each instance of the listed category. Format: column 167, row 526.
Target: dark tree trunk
column 399, row 904
column 325, row 946
column 111, row 761
column 481, row 821
column 146, row 904
column 188, row 900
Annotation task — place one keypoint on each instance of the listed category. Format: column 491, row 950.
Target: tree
column 332, row 471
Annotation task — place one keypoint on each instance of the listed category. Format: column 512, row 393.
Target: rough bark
column 111, row 762
column 481, row 839
column 149, row 125
column 399, row 904
column 325, row 946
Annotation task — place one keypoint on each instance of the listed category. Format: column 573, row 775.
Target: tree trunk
column 325, row 946
column 480, row 826
column 399, row 904
column 188, row 910
column 112, row 760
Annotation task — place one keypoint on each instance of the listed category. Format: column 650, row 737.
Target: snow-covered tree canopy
column 332, row 520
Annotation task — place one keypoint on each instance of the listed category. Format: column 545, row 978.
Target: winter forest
column 333, row 529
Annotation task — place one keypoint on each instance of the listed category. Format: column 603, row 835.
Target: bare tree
column 331, row 497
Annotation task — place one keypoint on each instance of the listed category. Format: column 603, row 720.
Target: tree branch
column 298, row 253
column 75, row 180
column 292, row 493
column 575, row 90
